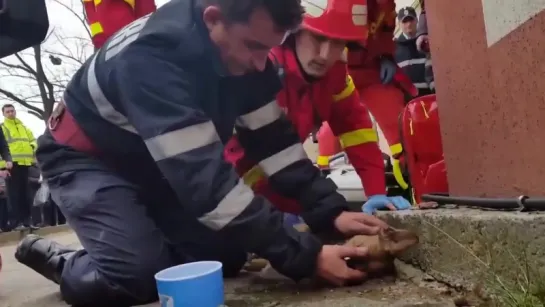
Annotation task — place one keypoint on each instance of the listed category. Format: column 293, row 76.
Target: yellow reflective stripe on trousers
column 348, row 90
column 96, row 28
column 358, row 137
column 252, row 176
column 322, row 160
column 396, row 149
column 398, row 174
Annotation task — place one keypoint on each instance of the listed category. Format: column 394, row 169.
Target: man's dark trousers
column 17, row 190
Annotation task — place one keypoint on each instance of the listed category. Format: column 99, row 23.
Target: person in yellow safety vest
column 22, row 146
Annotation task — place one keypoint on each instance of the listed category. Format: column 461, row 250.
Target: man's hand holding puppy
column 331, row 263
column 332, row 266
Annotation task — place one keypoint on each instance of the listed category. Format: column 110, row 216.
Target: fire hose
column 520, row 203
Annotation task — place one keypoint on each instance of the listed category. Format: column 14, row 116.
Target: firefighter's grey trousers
column 122, row 230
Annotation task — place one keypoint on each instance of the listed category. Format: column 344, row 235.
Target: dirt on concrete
column 22, row 287
column 468, row 248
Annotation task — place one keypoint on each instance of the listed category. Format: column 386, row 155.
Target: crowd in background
column 412, row 50
column 20, row 179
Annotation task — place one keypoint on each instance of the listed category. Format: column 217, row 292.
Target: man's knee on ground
column 111, row 282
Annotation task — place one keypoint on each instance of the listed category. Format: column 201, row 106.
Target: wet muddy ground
column 21, row 287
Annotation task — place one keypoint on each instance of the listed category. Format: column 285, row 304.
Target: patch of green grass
column 527, row 289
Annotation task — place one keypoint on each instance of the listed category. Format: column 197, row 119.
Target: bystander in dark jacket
column 407, row 56
column 423, row 45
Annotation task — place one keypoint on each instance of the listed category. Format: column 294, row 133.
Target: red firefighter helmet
column 338, row 19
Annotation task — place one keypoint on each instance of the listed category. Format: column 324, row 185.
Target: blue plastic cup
column 194, row 284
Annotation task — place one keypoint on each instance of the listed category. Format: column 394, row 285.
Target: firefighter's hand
column 357, row 223
column 332, row 266
column 423, row 43
column 9, row 165
column 382, row 202
column 387, row 70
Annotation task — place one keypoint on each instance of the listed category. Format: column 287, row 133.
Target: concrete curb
column 14, row 236
column 467, row 247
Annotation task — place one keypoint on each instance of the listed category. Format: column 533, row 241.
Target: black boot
column 43, row 256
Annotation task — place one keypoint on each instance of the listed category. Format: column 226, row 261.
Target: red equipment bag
column 423, row 150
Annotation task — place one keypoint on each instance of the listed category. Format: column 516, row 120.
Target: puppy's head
column 396, row 241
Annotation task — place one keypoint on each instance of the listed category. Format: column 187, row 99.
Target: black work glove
column 388, row 69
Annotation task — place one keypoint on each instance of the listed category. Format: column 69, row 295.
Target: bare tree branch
column 38, row 76
column 15, row 66
column 81, row 18
column 11, row 96
column 25, row 64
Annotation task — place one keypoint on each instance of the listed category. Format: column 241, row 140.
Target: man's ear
column 212, row 16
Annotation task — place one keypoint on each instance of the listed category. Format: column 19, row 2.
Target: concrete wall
column 489, row 64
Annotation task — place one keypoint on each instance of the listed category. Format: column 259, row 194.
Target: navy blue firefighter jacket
column 157, row 98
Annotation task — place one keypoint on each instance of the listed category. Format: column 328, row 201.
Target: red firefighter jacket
column 333, row 99
column 363, row 63
column 105, row 17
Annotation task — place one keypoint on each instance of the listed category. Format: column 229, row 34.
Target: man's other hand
column 358, row 223
column 423, row 43
column 9, row 165
column 388, row 69
column 332, row 266
column 383, row 202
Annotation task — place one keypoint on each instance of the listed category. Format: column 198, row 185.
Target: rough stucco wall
column 491, row 98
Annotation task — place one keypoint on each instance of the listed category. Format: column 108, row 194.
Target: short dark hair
column 7, row 105
column 286, row 14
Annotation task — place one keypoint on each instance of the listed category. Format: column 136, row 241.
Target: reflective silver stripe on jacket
column 182, row 140
column 231, row 206
column 103, row 105
column 411, row 62
column 265, row 116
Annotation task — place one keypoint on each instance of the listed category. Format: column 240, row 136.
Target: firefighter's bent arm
column 350, row 121
column 268, row 136
column 160, row 101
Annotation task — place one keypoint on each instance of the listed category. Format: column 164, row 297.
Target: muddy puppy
column 383, row 249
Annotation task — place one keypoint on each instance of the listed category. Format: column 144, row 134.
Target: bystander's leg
column 4, row 214
column 12, row 188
